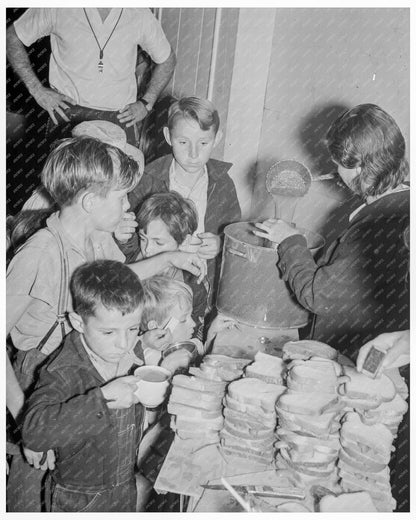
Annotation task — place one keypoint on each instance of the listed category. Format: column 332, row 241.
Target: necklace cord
column 95, row 36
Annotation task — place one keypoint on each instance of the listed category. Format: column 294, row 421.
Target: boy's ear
column 87, row 201
column 166, row 133
column 218, row 137
column 77, row 322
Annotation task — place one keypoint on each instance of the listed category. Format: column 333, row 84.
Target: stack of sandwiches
column 309, row 412
column 249, row 412
column 363, row 460
column 376, row 400
column 196, row 400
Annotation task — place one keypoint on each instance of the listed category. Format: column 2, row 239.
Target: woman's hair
column 83, row 163
column 195, row 109
column 160, row 295
column 106, row 282
column 367, row 137
column 178, row 214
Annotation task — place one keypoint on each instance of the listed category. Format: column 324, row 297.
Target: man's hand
column 53, row 101
column 275, row 230
column 126, row 227
column 396, row 345
column 210, row 246
column 189, row 262
column 132, row 113
column 120, row 392
column 38, row 460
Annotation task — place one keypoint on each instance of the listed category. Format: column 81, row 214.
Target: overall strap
column 63, row 291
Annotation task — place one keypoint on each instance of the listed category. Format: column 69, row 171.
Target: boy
column 167, row 222
column 84, row 406
column 89, row 180
column 192, row 132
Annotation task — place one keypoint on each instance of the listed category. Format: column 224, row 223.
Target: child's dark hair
column 106, row 282
column 83, row 163
column 367, row 137
column 23, row 225
column 195, row 109
column 179, row 214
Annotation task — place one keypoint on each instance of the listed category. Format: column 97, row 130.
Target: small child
column 167, row 316
column 84, row 406
column 193, row 132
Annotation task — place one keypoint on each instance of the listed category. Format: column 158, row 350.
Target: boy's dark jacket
column 67, row 412
column 222, row 203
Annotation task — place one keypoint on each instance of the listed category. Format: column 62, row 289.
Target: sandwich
column 347, row 502
column 255, row 392
column 305, row 349
column 366, row 390
column 313, row 403
column 267, row 368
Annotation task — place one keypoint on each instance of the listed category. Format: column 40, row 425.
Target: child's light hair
column 160, row 295
column 178, row 214
column 369, row 138
column 83, row 163
column 108, row 283
column 195, row 109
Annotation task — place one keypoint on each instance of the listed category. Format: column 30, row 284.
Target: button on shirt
column 32, row 282
column 73, row 66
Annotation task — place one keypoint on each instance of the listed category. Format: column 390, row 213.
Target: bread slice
column 269, row 369
column 255, row 392
column 319, row 426
column 319, row 470
column 347, row 502
column 376, row 438
column 361, row 463
column 189, row 423
column 205, row 400
column 226, row 361
column 184, row 410
column 247, row 455
column 311, row 457
column 361, row 386
column 308, row 375
column 307, row 404
column 196, row 383
column 242, row 420
column 365, row 483
column 299, row 439
column 394, row 409
column 253, row 412
column 382, row 476
column 211, row 375
column 225, row 373
column 245, row 431
column 305, row 349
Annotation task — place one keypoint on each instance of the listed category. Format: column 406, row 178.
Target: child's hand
column 275, row 230
column 210, row 246
column 220, row 323
column 126, row 227
column 178, row 359
column 189, row 262
column 157, row 339
column 120, row 392
column 38, row 460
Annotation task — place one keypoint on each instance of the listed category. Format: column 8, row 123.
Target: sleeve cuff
column 289, row 242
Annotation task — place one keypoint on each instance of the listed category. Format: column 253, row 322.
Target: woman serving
column 358, row 289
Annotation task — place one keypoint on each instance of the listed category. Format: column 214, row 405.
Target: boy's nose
column 193, row 152
column 123, row 342
column 126, row 204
